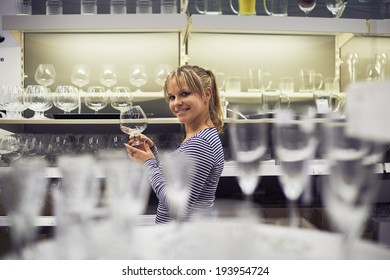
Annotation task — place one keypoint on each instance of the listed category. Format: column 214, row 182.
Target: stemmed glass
column 108, row 76
column 23, row 189
column 121, row 99
column 350, row 191
column 336, row 7
column 307, row 6
column 80, row 76
column 248, row 134
column 45, row 74
column 37, row 99
column 133, row 122
column 295, row 145
column 138, row 76
column 66, row 98
column 11, row 97
column 161, row 72
column 9, row 145
column 96, row 98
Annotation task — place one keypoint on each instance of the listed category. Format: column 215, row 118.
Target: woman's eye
column 185, row 93
column 171, row 97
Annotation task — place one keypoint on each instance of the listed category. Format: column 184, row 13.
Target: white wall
column 10, row 51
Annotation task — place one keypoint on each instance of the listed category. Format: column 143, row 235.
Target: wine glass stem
column 294, row 217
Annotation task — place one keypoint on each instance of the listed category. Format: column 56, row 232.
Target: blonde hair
column 198, row 79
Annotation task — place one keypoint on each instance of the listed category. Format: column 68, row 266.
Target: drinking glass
column 349, row 191
column 248, row 134
column 168, row 6
column 80, row 76
column 45, row 74
column 121, row 98
column 144, row 7
column 118, row 7
column 9, row 147
column 23, row 7
column 336, row 7
column 108, row 76
column 134, row 122
column 11, row 97
column 93, row 144
column 138, row 76
column 161, row 72
column 295, row 145
column 23, row 190
column 66, row 98
column 59, row 144
column 88, row 7
column 352, row 64
column 54, row 7
column 307, row 6
column 96, row 98
column 37, row 99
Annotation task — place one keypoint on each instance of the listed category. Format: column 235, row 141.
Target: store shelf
column 96, row 23
column 277, row 25
column 380, row 27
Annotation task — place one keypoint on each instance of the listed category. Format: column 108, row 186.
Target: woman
column 193, row 97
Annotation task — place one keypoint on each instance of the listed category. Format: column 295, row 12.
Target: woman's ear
column 208, row 93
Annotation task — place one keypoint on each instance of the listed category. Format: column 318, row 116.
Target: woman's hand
column 141, row 153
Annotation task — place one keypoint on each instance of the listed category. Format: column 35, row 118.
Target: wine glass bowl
column 96, row 98
column 80, row 75
column 138, row 76
column 45, row 74
column 336, row 7
column 108, row 76
column 66, row 98
column 121, row 98
column 161, row 72
column 307, row 6
column 133, row 122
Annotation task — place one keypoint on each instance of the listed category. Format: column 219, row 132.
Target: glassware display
column 133, row 122
column 138, row 76
column 66, row 98
column 108, row 76
column 121, row 99
column 307, row 6
column 96, row 98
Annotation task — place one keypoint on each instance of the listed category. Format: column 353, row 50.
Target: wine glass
column 96, row 98
column 248, row 134
column 138, row 76
column 23, row 189
column 9, row 146
column 66, row 98
column 336, row 7
column 161, row 72
column 37, row 99
column 108, row 76
column 121, row 98
column 295, row 145
column 80, row 76
column 307, row 6
column 45, row 74
column 12, row 101
column 349, row 191
column 133, row 122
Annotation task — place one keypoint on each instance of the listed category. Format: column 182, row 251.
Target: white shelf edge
column 95, row 23
column 287, row 25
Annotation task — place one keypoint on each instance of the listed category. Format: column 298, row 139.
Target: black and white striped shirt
column 206, row 151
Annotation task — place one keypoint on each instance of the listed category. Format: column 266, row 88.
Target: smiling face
column 189, row 107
